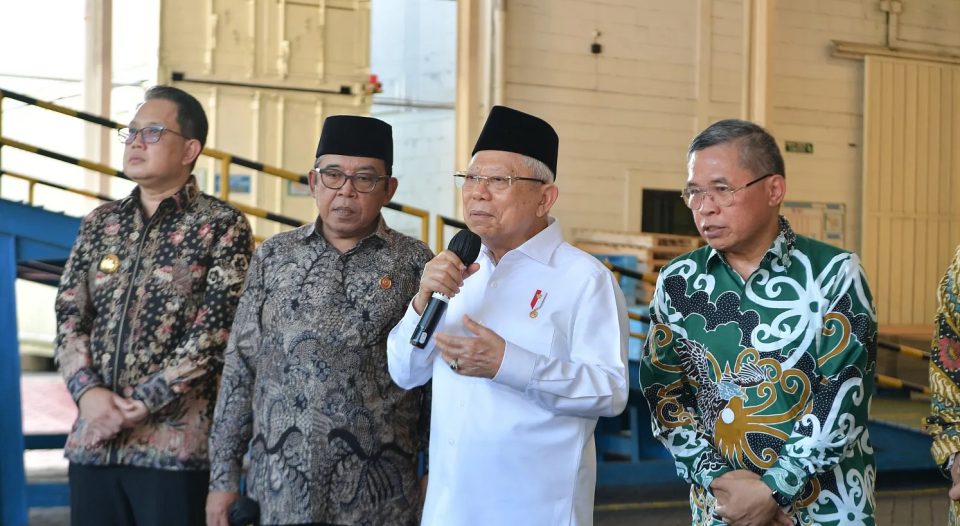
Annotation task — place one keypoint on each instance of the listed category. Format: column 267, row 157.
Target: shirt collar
column 541, row 246
column 781, row 249
column 186, row 195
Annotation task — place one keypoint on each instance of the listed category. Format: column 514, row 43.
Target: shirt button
column 493, row 284
column 451, row 442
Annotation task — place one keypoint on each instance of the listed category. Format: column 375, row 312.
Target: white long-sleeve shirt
column 519, row 448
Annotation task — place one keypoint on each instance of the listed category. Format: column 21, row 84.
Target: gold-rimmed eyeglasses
column 497, row 183
column 721, row 194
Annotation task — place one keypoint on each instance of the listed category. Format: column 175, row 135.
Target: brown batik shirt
column 144, row 309
column 305, row 385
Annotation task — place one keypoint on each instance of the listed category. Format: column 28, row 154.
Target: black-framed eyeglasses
column 335, row 179
column 496, row 183
column 722, row 195
column 149, row 134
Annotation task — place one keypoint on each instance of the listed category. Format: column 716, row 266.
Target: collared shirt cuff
column 82, row 381
column 228, row 479
column 516, row 368
column 154, row 393
column 783, row 480
column 706, row 477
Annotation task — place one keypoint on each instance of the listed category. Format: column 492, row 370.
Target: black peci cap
column 357, row 137
column 514, row 131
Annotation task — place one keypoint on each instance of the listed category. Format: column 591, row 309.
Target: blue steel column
column 13, row 483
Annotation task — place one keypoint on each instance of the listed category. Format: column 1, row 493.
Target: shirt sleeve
column 409, row 366
column 846, row 361
column 943, row 424
column 233, row 417
column 75, row 316
column 589, row 377
column 675, row 416
column 201, row 349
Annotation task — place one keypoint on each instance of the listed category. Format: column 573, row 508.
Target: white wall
column 624, row 116
column 413, row 52
column 668, row 69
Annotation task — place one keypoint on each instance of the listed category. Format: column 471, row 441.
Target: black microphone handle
column 429, row 320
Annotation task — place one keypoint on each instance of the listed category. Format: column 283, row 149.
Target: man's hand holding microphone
column 479, row 355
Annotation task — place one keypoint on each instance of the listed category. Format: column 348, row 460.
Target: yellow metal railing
column 106, row 170
column 225, row 160
column 912, row 352
column 32, row 182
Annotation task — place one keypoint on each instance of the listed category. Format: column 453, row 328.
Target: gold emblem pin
column 110, row 264
column 386, row 282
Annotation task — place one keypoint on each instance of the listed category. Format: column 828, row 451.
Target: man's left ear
column 777, row 190
column 391, row 186
column 548, row 196
column 191, row 152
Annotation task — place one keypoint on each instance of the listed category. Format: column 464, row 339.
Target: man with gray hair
column 531, row 352
column 759, row 364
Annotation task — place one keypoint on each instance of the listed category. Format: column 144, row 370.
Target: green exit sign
column 799, row 147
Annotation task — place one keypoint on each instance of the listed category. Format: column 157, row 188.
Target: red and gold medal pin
column 386, row 282
column 537, row 302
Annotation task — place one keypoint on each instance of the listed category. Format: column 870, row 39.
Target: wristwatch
column 782, row 500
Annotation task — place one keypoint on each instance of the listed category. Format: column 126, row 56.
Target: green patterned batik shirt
column 771, row 374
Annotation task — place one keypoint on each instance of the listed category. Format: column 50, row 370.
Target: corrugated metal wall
column 911, row 183
column 301, row 48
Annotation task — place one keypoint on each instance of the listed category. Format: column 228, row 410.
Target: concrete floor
column 638, row 507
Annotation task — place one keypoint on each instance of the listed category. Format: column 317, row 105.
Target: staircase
column 34, row 245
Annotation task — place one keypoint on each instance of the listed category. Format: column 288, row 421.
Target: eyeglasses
column 722, row 195
column 494, row 182
column 335, row 179
column 149, row 134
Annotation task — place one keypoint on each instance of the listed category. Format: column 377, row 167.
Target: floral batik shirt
column 771, row 374
column 306, row 389
column 944, row 421
column 144, row 309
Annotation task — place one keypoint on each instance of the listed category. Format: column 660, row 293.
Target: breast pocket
column 539, row 336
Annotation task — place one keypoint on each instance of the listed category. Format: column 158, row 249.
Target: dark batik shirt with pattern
column 771, row 374
column 306, row 386
column 144, row 309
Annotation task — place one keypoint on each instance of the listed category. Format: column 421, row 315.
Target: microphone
column 244, row 512
column 466, row 245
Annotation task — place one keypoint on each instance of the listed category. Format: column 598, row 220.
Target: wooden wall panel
column 911, row 222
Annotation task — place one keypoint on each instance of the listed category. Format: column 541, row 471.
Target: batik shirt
column 944, row 422
column 144, row 309
column 305, row 385
column 771, row 374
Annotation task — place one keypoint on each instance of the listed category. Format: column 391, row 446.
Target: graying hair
column 540, row 170
column 758, row 150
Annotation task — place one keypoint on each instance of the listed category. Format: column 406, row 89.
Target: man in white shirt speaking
column 531, row 351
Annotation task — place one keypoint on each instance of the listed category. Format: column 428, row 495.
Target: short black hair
column 758, row 149
column 190, row 115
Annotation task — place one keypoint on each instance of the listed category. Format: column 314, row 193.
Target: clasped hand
column 104, row 413
column 744, row 500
